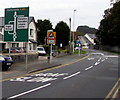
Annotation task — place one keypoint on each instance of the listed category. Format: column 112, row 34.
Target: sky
column 88, row 12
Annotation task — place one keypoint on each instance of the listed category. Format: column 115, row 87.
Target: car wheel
column 5, row 68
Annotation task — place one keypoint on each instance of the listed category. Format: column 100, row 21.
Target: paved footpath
column 42, row 63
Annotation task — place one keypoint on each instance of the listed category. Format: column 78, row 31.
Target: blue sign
column 79, row 42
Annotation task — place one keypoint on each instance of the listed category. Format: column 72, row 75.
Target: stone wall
column 18, row 58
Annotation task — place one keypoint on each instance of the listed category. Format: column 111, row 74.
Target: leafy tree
column 109, row 29
column 42, row 28
column 62, row 33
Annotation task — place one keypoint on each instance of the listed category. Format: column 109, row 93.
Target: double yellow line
column 114, row 91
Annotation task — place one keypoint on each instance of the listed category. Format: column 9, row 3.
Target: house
column 90, row 38
column 32, row 36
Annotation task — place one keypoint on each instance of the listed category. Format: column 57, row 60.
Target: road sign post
column 79, row 45
column 16, row 26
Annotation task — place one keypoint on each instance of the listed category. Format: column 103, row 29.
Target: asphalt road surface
column 92, row 77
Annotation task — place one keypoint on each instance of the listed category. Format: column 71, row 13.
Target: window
column 31, row 32
column 0, row 29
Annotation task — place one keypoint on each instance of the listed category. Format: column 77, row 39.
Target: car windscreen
column 40, row 49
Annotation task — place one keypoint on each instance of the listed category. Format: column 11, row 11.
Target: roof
column 92, row 36
column 31, row 19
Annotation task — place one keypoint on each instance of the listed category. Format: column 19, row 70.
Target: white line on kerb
column 89, row 68
column 15, row 96
column 71, row 75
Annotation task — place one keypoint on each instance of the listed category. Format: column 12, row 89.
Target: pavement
column 20, row 69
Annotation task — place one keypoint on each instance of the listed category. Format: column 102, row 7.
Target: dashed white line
column 97, row 63
column 103, row 60
column 89, row 68
column 15, row 96
column 71, row 75
column 99, row 59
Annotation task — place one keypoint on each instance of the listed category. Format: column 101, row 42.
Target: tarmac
column 21, row 69
column 42, row 63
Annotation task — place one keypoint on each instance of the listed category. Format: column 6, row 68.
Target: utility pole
column 73, row 27
column 70, row 35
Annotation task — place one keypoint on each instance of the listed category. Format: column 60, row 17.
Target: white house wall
column 31, row 46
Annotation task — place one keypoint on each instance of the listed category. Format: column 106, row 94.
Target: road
column 92, row 77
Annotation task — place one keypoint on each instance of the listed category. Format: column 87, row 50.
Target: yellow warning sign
column 51, row 37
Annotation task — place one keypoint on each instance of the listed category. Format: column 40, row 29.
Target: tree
column 62, row 33
column 42, row 28
column 109, row 29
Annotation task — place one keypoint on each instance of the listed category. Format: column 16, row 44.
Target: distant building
column 32, row 36
column 90, row 38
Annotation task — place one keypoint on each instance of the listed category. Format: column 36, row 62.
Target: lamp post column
column 73, row 28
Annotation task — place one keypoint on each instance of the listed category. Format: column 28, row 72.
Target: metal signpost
column 79, row 44
column 51, row 39
column 16, row 25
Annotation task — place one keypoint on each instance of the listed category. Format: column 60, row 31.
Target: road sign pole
column 51, row 54
column 26, row 57
column 79, row 51
column 9, row 48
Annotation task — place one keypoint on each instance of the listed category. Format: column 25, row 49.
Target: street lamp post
column 73, row 27
column 70, row 36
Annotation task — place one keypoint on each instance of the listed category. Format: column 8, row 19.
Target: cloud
column 88, row 12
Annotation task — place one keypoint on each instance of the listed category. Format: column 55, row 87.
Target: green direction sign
column 16, row 24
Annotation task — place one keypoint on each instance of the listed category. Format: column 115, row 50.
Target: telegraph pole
column 73, row 27
column 70, row 35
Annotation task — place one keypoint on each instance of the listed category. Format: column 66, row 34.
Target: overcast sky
column 88, row 12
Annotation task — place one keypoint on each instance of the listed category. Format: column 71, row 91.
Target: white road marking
column 99, row 59
column 71, row 75
column 98, row 53
column 15, row 96
column 22, row 79
column 50, row 74
column 89, row 68
column 103, row 60
column 114, row 56
column 41, row 79
column 97, row 63
column 91, row 58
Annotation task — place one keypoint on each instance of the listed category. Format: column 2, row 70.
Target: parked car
column 77, row 48
column 15, row 50
column 53, row 53
column 41, row 51
column 5, row 62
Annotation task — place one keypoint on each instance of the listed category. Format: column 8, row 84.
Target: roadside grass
column 81, row 52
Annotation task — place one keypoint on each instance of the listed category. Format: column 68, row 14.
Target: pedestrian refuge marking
column 39, row 77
